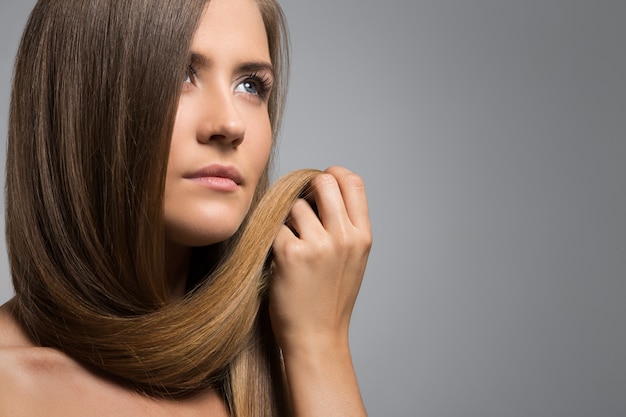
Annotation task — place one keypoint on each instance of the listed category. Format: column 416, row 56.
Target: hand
column 319, row 264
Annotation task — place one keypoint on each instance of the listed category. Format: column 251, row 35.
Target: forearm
column 322, row 382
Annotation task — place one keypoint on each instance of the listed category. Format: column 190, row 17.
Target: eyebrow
column 200, row 60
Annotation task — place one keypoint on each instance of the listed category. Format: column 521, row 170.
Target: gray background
column 492, row 138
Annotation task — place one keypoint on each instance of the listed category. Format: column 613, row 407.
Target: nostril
column 237, row 142
column 227, row 140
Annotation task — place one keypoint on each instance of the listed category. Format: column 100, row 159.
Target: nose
column 221, row 121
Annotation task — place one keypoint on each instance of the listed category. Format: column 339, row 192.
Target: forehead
column 233, row 26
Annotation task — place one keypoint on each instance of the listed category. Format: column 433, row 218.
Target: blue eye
column 255, row 84
column 248, row 87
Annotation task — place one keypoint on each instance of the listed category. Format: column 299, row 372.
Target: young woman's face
column 222, row 135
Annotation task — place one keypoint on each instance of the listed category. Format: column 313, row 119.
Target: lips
column 217, row 171
column 218, row 178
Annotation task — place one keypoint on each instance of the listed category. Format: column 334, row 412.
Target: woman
column 140, row 138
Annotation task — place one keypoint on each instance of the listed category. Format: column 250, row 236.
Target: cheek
column 260, row 145
column 183, row 124
column 266, row 139
column 266, row 149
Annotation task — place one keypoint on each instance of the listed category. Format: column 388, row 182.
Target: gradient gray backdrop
column 492, row 138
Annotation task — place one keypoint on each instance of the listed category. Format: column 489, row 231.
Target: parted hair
column 95, row 92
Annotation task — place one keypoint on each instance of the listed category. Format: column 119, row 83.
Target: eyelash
column 191, row 73
column 262, row 82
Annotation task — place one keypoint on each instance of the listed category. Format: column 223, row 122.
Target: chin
column 195, row 224
column 205, row 234
column 196, row 239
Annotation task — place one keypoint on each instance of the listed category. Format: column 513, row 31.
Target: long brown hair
column 95, row 92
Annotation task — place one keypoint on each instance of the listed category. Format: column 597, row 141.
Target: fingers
column 354, row 197
column 341, row 204
column 330, row 205
column 303, row 222
column 340, row 197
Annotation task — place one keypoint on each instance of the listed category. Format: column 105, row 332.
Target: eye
column 248, row 86
column 190, row 75
column 256, row 85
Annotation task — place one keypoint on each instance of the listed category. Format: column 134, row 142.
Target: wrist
column 321, row 357
column 316, row 346
column 322, row 380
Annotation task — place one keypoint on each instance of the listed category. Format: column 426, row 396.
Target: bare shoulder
column 22, row 366
column 43, row 381
column 37, row 381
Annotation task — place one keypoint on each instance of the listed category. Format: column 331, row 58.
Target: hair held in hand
column 191, row 344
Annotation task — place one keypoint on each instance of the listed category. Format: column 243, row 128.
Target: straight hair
column 95, row 92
